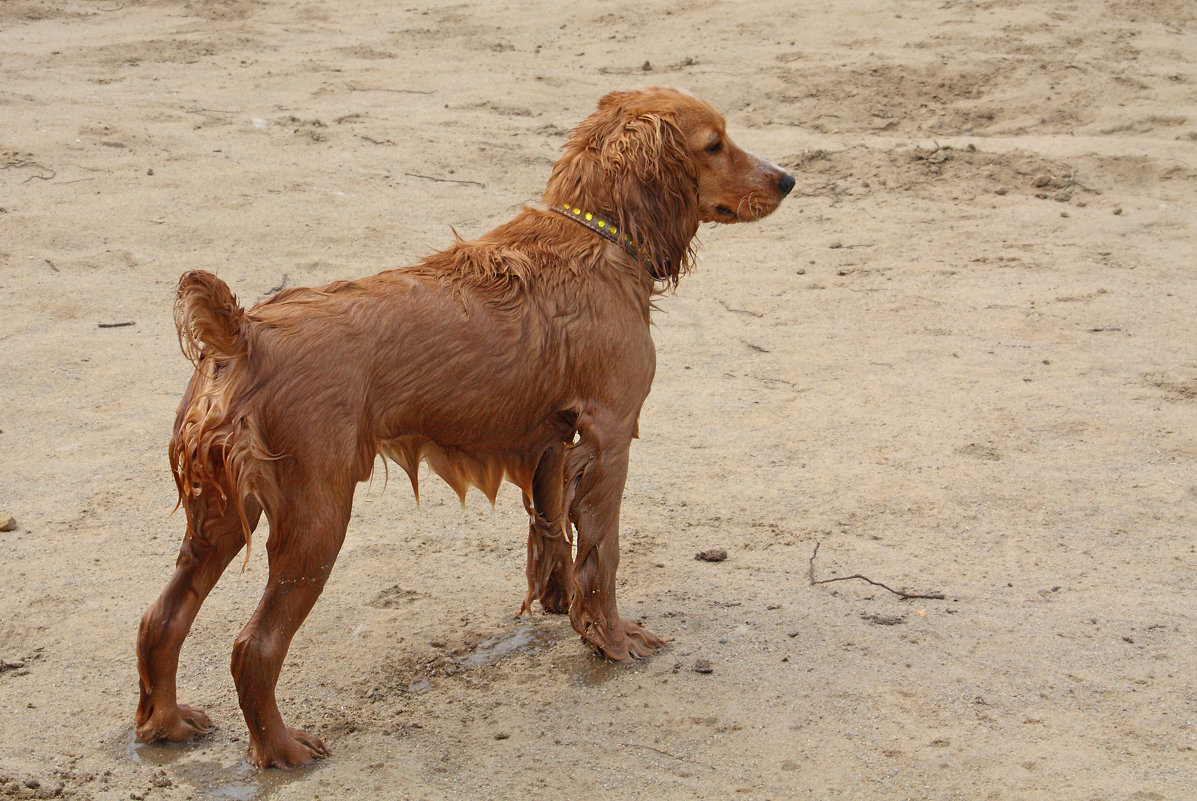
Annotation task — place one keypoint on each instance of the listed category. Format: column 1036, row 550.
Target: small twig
column 905, row 596
column 278, row 288
column 115, row 325
column 671, row 756
column 49, row 177
column 444, row 180
column 376, row 141
column 740, row 311
column 208, row 112
column 354, row 88
column 1071, row 181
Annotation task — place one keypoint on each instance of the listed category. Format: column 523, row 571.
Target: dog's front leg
column 598, row 466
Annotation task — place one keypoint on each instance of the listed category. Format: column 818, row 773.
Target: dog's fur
column 523, row 355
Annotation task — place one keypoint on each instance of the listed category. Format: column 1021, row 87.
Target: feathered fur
column 523, row 355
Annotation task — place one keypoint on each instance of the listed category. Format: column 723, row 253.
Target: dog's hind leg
column 214, row 536
column 550, row 552
column 305, row 537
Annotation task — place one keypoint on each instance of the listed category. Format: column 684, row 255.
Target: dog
column 523, row 355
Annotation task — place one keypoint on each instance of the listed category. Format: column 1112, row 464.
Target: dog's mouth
column 750, row 208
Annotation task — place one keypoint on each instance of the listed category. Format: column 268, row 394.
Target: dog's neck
column 610, row 231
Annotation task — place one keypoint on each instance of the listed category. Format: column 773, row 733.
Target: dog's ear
column 654, row 183
column 632, row 165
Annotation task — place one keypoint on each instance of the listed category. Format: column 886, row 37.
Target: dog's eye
column 716, row 147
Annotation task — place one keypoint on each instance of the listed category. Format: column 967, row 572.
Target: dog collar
column 609, row 231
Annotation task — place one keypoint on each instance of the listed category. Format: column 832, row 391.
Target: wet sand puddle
column 212, row 779
column 586, row 668
column 525, row 639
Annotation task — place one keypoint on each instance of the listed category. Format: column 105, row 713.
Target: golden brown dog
column 523, row 355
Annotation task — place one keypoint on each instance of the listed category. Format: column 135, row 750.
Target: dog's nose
column 785, row 184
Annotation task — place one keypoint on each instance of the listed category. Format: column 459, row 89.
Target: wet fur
column 524, row 355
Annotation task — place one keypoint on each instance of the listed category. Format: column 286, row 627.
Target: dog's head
column 658, row 162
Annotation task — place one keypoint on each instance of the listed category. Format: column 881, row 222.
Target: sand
column 960, row 359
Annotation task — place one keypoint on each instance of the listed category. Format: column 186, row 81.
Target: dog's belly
column 476, row 424
column 462, row 469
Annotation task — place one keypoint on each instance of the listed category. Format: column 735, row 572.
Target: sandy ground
column 961, row 358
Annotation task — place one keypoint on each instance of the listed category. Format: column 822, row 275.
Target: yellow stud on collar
column 607, row 230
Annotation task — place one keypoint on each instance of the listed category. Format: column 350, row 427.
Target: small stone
column 646, row 66
column 1041, row 181
column 7, row 522
column 1117, row 211
column 501, row 735
column 711, row 555
column 703, row 666
column 1001, row 190
column 32, row 784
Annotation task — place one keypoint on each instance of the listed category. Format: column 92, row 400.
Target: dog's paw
column 623, row 640
column 173, row 724
column 294, row 749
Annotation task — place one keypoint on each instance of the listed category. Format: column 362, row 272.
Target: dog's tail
column 217, row 446
column 209, row 320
